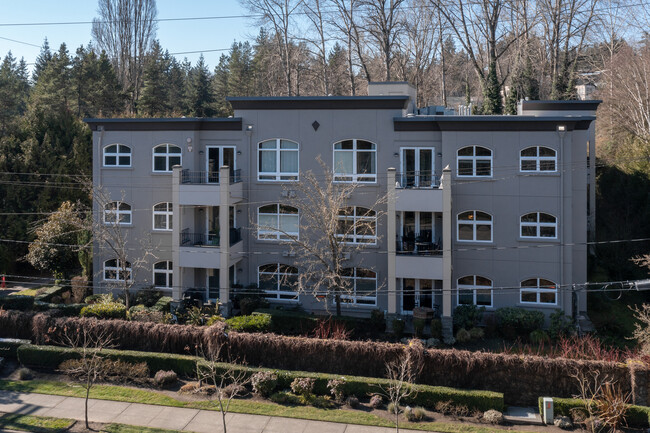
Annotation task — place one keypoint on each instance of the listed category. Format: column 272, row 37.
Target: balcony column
column 390, row 241
column 224, row 239
column 447, row 320
column 177, row 276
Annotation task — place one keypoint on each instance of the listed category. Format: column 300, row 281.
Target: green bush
column 46, row 294
column 50, row 357
column 93, row 299
column 539, row 336
column 248, row 304
column 68, row 310
column 519, row 320
column 108, row 310
column 467, row 316
column 561, row 325
column 476, row 333
column 264, row 382
column 148, row 297
column 463, row 336
column 378, row 321
column 398, row 327
column 418, row 327
column 436, row 328
column 285, row 398
column 9, row 347
column 636, row 416
column 163, row 304
column 17, row 302
column 256, row 322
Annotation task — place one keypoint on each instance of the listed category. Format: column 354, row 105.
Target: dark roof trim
column 490, row 123
column 167, row 124
column 397, row 102
column 560, row 105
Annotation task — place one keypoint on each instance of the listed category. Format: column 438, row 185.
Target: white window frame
column 537, row 225
column 118, row 213
column 355, row 217
column 166, row 156
column 168, row 272
column 538, row 160
column 269, row 234
column 354, row 176
column 354, row 298
column 119, row 153
column 167, row 214
column 417, row 175
column 474, row 159
column 278, row 294
column 278, row 175
column 474, row 223
column 538, row 289
column 117, row 269
column 474, row 288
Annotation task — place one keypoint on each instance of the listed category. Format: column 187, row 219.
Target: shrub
column 148, row 296
column 248, row 304
column 152, row 316
column 214, row 319
column 463, row 336
column 109, row 310
column 79, row 288
column 393, row 408
column 264, row 383
column 451, row 408
column 24, row 374
column 257, row 322
column 303, row 386
column 352, row 401
column 111, row 369
column 418, row 327
column 9, row 347
column 376, row 401
column 194, row 316
column 163, row 304
column 414, row 414
column 476, row 333
column 561, row 325
column 378, row 321
column 51, row 294
column 398, row 327
column 234, row 389
column 538, row 336
column 165, row 378
column 17, row 302
column 189, row 388
column 285, row 398
column 522, row 321
column 436, row 329
column 93, row 299
column 336, row 387
column 320, row 401
column 467, row 316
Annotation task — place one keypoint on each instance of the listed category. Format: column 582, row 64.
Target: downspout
column 561, row 131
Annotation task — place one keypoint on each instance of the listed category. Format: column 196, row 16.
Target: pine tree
column 177, row 85
column 42, row 60
column 220, row 85
column 200, row 96
column 14, row 91
column 492, row 103
column 154, row 97
column 53, row 91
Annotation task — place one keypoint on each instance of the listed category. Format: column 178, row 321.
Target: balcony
column 202, row 250
column 419, row 244
column 418, row 256
column 418, row 191
column 207, row 239
column 203, row 188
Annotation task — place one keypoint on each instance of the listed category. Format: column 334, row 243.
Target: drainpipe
column 561, row 131
column 390, row 240
column 224, row 240
column 446, row 318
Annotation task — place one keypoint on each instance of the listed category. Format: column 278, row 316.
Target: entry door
column 417, row 167
column 416, row 293
column 217, row 157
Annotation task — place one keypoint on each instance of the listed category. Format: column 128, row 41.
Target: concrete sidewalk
column 172, row 418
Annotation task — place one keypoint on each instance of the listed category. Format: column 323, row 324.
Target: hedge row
column 17, row 302
column 9, row 347
column 299, row 323
column 47, row 294
column 50, row 357
column 636, row 416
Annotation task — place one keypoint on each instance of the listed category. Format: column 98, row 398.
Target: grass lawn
column 28, row 292
column 123, row 428
column 34, row 423
column 120, row 393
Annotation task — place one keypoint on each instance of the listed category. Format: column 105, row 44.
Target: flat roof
column 167, row 124
column 570, row 105
column 391, row 102
column 491, row 123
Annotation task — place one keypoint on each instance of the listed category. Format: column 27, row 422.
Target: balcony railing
column 418, row 179
column 189, row 177
column 207, row 239
column 418, row 244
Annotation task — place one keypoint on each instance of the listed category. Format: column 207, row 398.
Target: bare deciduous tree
column 316, row 15
column 384, row 23
column 125, row 29
column 346, row 19
column 400, row 384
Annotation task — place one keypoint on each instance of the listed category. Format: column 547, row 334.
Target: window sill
column 484, row 243
column 535, row 305
column 161, row 173
column 116, row 168
column 161, row 231
column 538, row 173
column 474, row 178
column 539, row 240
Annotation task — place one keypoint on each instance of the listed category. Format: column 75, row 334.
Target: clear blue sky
column 175, row 36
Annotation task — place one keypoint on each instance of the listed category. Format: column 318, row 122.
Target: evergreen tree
column 511, row 101
column 337, row 64
column 220, row 85
column 177, row 84
column 42, row 60
column 492, row 103
column 154, row 97
column 53, row 90
column 200, row 96
column 14, row 91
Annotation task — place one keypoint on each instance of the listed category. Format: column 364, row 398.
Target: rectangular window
column 355, row 161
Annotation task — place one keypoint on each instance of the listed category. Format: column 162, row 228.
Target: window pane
column 366, row 162
column 529, row 218
column 173, row 160
column 160, row 149
column 289, row 223
column 174, row 149
column 547, row 297
column 284, row 209
column 465, row 168
column 547, row 165
column 528, row 296
column 271, row 144
column 466, row 151
column 289, row 162
column 528, row 231
column 530, row 151
column 125, row 160
column 528, row 165
column 465, row 297
column 268, row 222
column 269, row 208
column 547, row 232
column 483, row 216
column 482, row 281
column 546, row 283
column 483, row 168
column 285, row 144
column 532, row 282
column 267, row 161
column 159, row 163
column 483, row 232
column 159, row 222
column 111, row 149
column 365, row 145
column 268, row 282
column 347, row 144
column 484, row 297
column 466, row 216
column 343, row 162
column 545, row 151
column 546, row 218
column 160, row 279
column 272, row 267
column 160, row 265
column 465, row 232
column 110, row 160
column 482, row 151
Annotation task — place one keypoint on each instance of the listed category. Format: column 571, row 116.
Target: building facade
column 485, row 210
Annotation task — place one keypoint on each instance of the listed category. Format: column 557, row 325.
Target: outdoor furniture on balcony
column 419, row 244
column 207, row 239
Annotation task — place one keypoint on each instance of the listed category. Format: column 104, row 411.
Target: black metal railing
column 418, row 179
column 189, row 177
column 419, row 244
column 189, row 239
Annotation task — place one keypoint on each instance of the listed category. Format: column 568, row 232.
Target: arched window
column 277, row 222
column 361, row 286
column 538, row 225
column 117, row 212
column 162, row 216
column 538, row 291
column 115, row 270
column 474, row 290
column 357, row 225
column 165, row 156
column 474, row 161
column 278, row 281
column 162, row 275
column 538, row 159
column 278, row 160
column 355, row 161
column 474, row 226
column 117, row 155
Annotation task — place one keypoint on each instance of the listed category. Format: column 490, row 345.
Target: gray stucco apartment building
column 488, row 210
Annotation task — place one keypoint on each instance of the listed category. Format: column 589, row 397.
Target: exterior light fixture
column 189, row 144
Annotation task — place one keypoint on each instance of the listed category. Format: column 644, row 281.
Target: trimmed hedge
column 108, row 310
column 636, row 416
column 65, row 309
column 50, row 357
column 17, row 302
column 289, row 322
column 9, row 347
column 256, row 322
column 47, row 294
